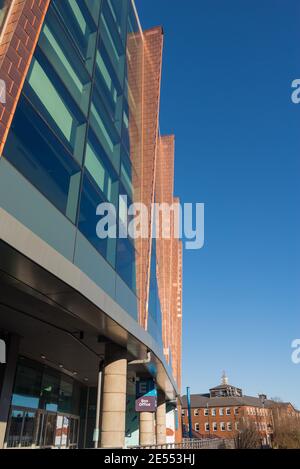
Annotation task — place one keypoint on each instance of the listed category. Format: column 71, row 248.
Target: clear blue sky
column 228, row 68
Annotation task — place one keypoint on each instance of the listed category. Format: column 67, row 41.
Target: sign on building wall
column 146, row 396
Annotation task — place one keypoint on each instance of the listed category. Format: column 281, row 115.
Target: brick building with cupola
column 223, row 411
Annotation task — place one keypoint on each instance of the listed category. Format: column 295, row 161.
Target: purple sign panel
column 146, row 396
column 146, row 404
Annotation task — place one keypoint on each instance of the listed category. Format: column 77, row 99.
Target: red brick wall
column 169, row 253
column 153, row 164
column 144, row 83
column 18, row 41
column 201, row 419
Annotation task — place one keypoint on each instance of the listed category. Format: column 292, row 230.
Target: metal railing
column 194, row 443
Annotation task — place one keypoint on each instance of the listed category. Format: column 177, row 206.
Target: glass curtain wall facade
column 85, row 131
column 70, row 133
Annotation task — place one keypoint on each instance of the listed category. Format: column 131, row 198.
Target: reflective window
column 91, row 197
column 50, row 430
column 37, row 154
column 78, row 19
column 21, row 428
column 108, row 85
column 101, row 170
column 28, row 433
column 65, row 395
column 63, row 57
column 154, row 308
column 126, row 262
column 105, row 130
column 113, row 34
column 27, row 386
column 16, row 424
column 50, row 98
column 126, row 174
column 50, row 391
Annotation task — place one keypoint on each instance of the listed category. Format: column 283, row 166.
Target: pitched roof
column 200, row 400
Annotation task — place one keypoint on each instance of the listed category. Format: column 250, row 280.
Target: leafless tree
column 248, row 436
column 286, row 429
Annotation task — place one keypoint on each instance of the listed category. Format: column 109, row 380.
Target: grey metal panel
column 22, row 200
column 94, row 266
column 126, row 298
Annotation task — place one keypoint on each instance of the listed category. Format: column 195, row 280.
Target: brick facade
column 169, row 253
column 237, row 417
column 225, row 412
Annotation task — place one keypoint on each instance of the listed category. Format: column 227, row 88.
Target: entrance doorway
column 31, row 428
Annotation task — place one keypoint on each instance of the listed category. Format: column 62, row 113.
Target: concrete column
column 114, row 398
column 147, row 431
column 8, row 383
column 161, row 436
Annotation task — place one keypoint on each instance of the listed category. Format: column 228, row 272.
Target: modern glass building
column 83, row 318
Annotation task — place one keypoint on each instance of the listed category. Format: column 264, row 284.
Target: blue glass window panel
column 125, row 201
column 133, row 26
column 126, row 262
column 91, row 197
column 154, row 309
column 125, row 126
column 114, row 13
column 79, row 23
column 50, row 391
column 113, row 44
column 126, row 174
column 101, row 170
column 108, row 85
column 94, row 8
column 25, row 401
column 105, row 130
column 34, row 150
column 59, row 50
column 27, row 386
column 52, row 100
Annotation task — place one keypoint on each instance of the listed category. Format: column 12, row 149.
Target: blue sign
column 145, row 388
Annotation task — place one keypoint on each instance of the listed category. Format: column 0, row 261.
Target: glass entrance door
column 29, row 428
